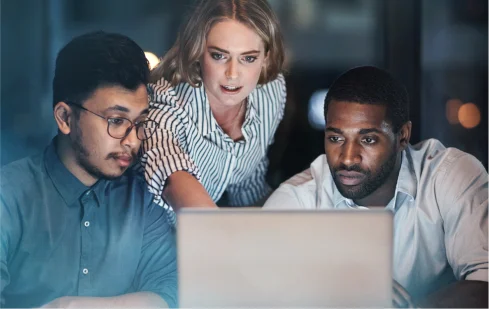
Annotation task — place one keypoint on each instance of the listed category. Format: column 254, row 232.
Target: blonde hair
column 181, row 63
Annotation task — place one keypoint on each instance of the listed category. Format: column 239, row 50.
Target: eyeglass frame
column 128, row 130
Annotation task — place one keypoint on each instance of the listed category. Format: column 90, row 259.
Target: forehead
column 105, row 97
column 234, row 36
column 350, row 115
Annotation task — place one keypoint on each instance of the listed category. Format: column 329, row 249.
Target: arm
column 157, row 269
column 5, row 239
column 170, row 173
column 132, row 300
column 184, row 190
column 155, row 281
column 461, row 294
column 462, row 193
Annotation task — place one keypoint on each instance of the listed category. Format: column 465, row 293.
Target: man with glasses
column 78, row 229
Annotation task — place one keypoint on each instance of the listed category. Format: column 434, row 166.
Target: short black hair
column 98, row 59
column 371, row 85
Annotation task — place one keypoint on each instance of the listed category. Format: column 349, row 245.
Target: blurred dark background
column 437, row 48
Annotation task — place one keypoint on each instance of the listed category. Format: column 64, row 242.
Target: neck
column 228, row 115
column 384, row 194
column 68, row 157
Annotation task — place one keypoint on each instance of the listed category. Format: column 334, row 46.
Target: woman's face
column 233, row 58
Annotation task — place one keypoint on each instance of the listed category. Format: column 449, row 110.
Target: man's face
column 99, row 154
column 361, row 147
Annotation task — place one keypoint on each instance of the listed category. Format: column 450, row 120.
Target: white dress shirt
column 440, row 211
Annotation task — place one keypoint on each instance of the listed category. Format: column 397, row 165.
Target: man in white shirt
column 439, row 196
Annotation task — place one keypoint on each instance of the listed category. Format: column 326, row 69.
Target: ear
column 63, row 114
column 404, row 135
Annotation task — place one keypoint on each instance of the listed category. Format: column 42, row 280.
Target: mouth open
column 231, row 89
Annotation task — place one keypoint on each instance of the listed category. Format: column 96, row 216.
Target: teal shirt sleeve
column 157, row 270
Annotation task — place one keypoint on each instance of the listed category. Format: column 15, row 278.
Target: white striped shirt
column 190, row 139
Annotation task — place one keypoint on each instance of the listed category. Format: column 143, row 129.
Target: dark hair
column 98, row 59
column 371, row 85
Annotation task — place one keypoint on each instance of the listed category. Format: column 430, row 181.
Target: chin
column 112, row 176
column 352, row 193
column 115, row 173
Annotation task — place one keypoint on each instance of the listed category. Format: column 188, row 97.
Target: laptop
column 268, row 258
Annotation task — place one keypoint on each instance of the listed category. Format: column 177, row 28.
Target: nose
column 232, row 70
column 351, row 154
column 131, row 141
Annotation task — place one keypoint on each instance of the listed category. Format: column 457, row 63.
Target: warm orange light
column 152, row 59
column 469, row 115
column 453, row 105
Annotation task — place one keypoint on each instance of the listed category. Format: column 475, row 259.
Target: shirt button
column 85, row 271
column 88, row 192
column 87, row 223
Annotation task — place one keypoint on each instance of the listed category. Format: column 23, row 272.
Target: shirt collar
column 209, row 124
column 252, row 111
column 337, row 197
column 67, row 185
column 406, row 182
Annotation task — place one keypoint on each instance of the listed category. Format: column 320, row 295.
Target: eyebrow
column 371, row 130
column 335, row 130
column 227, row 52
column 125, row 109
column 361, row 132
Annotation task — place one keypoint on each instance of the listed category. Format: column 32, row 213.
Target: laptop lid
column 261, row 258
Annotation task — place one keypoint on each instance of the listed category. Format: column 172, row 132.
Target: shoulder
column 138, row 201
column 133, row 185
column 452, row 174
column 20, row 181
column 432, row 157
column 311, row 177
column 300, row 190
column 271, row 98
column 275, row 89
column 162, row 93
column 20, row 175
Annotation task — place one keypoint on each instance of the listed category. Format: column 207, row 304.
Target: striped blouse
column 189, row 139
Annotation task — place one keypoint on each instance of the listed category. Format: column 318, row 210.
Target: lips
column 230, row 89
column 124, row 160
column 350, row 178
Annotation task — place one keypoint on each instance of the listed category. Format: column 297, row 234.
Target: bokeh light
column 453, row 105
column 152, row 59
column 315, row 112
column 469, row 115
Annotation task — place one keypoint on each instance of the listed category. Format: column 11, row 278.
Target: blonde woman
column 218, row 96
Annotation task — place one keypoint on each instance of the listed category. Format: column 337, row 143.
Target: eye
column 334, row 139
column 369, row 140
column 250, row 59
column 116, row 121
column 217, row 56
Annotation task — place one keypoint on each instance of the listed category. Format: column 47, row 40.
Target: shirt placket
column 230, row 162
column 89, row 203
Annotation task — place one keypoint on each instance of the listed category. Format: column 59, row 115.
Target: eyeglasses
column 119, row 127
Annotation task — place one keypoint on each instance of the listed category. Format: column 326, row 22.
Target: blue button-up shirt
column 440, row 213
column 61, row 238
